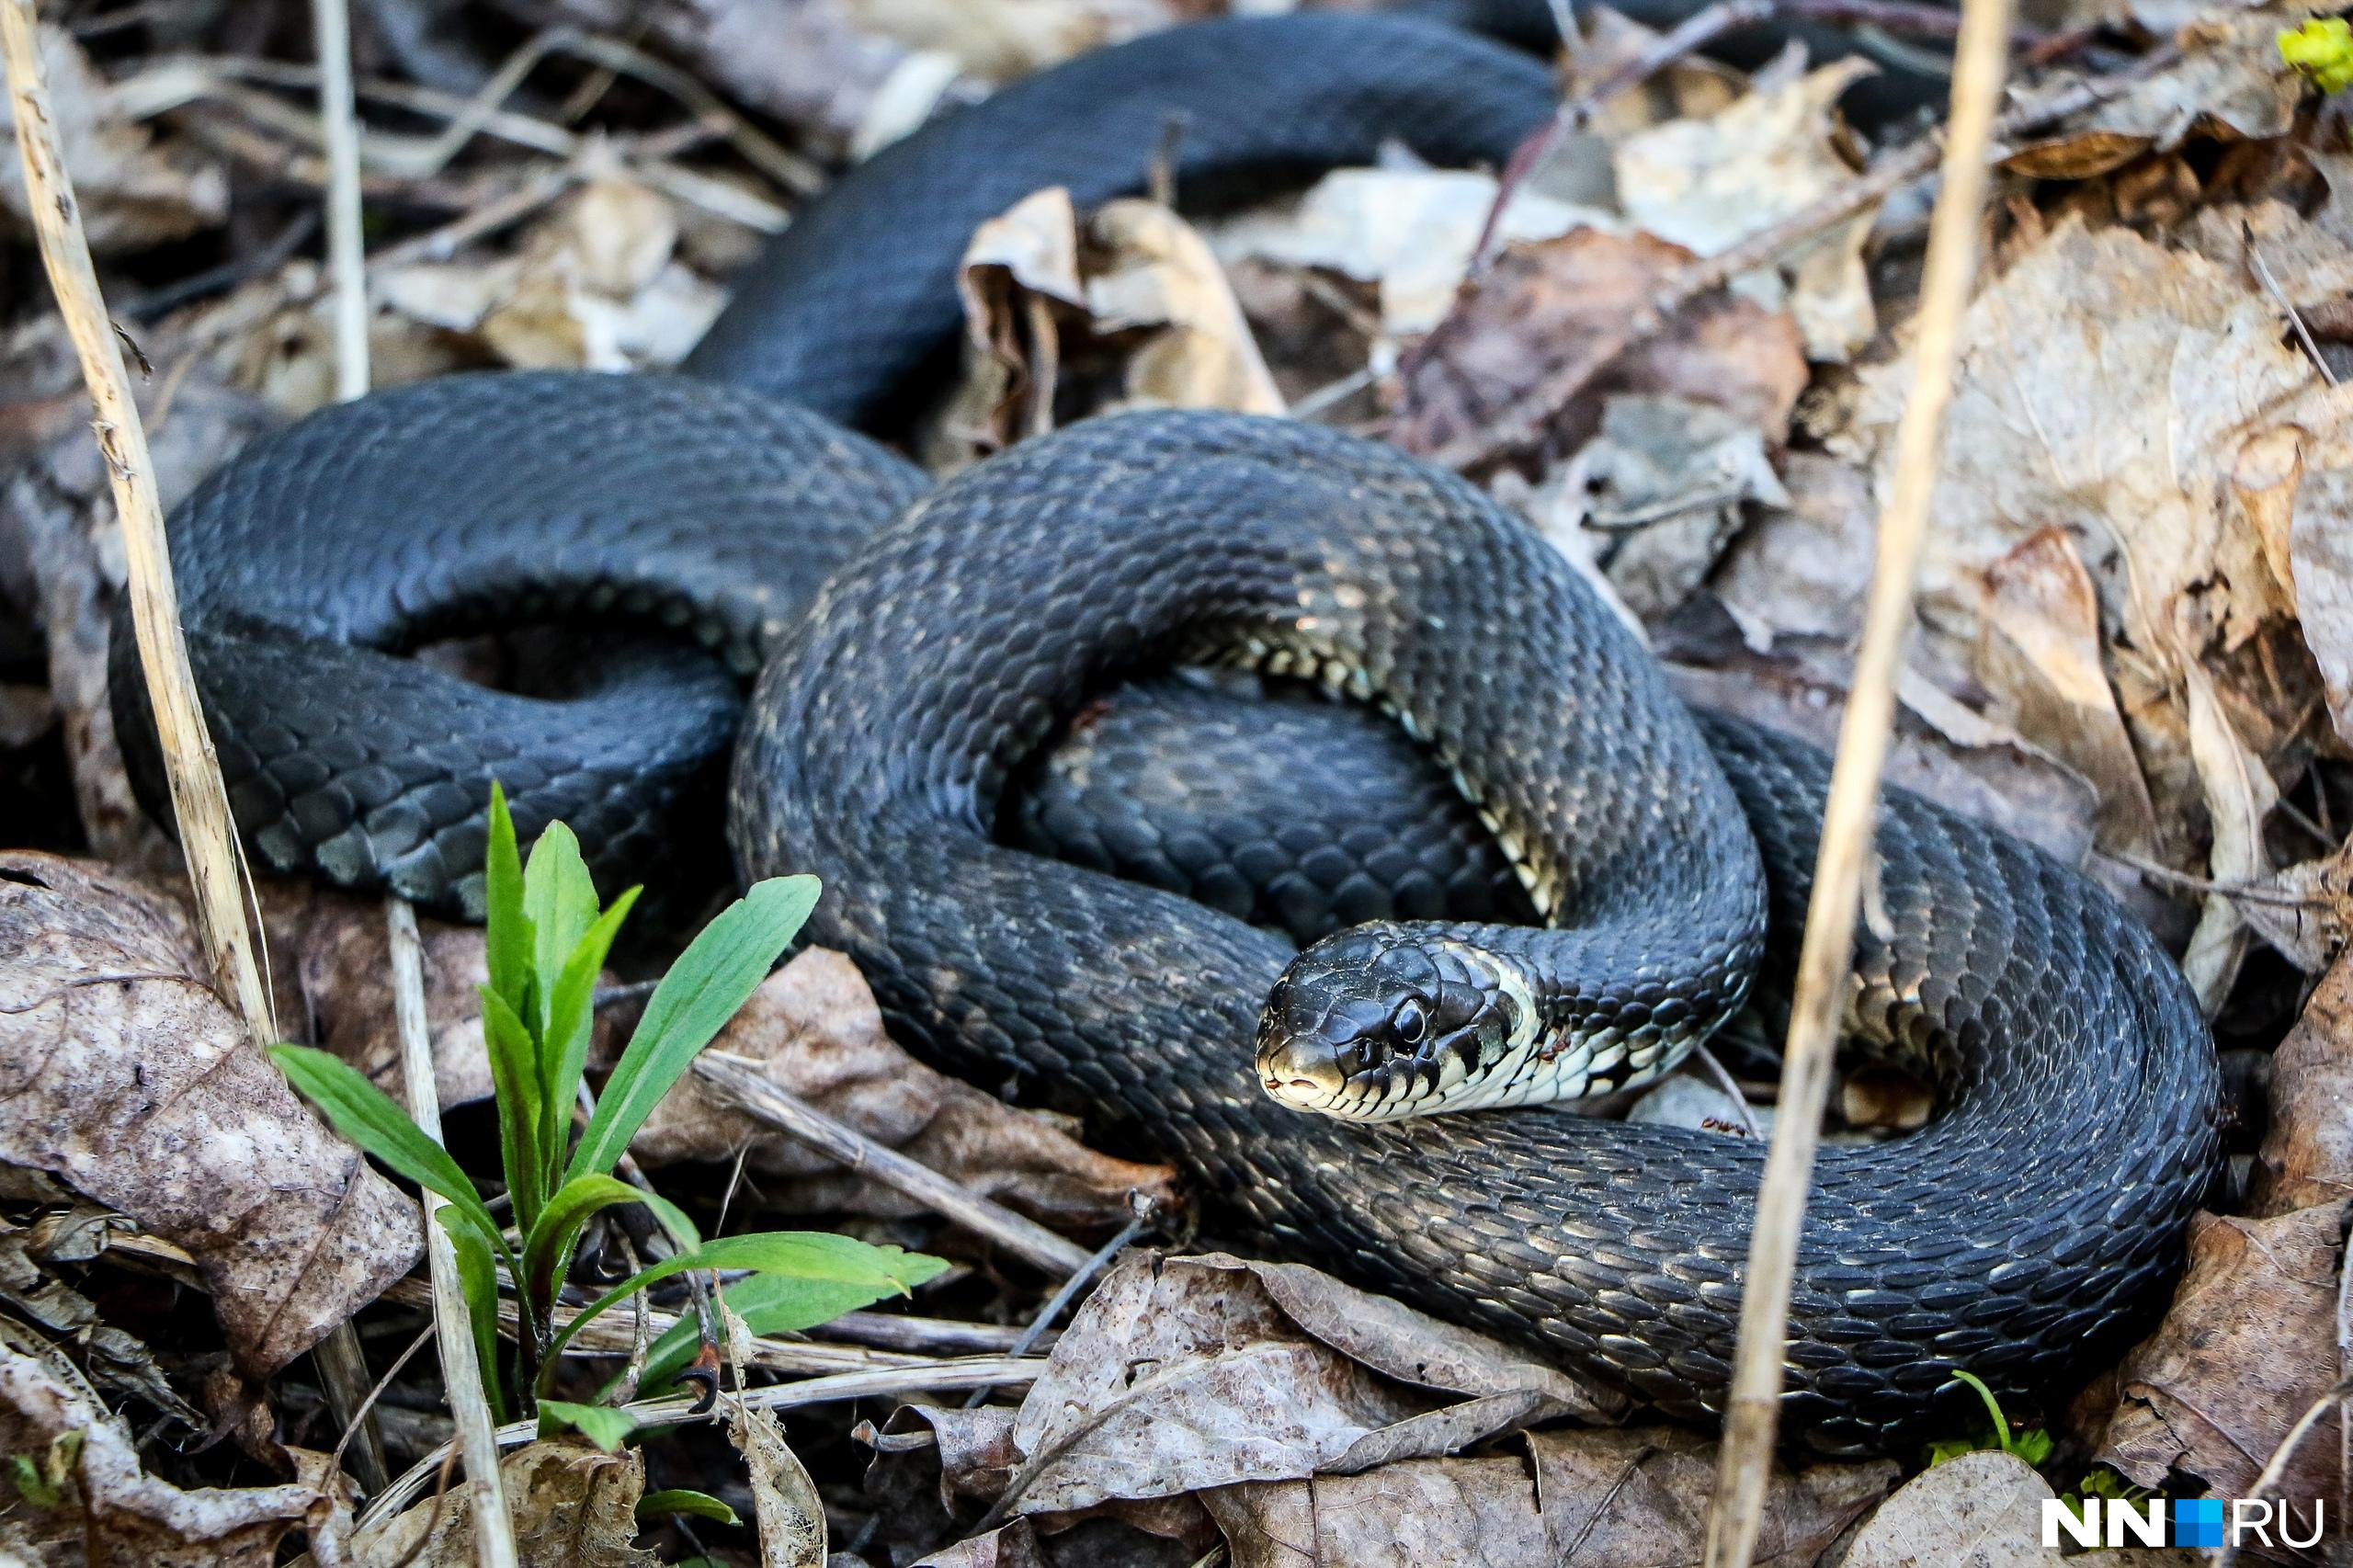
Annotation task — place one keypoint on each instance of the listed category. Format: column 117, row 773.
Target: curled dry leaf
column 2039, row 655
column 134, row 191
column 1708, row 184
column 2320, row 554
column 1600, row 1497
column 1015, row 1546
column 1546, row 306
column 125, row 1075
column 2248, row 1344
column 574, row 1506
column 1187, row 1373
column 814, row 1027
column 110, row 1512
column 2239, row 796
column 2307, row 1155
column 790, row 1515
column 1131, row 305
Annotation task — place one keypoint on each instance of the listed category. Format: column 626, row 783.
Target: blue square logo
column 2198, row 1521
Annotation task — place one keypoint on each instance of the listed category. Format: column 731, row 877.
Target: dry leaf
column 2249, row 1343
column 2107, row 387
column 2239, row 795
column 2307, row 1156
column 814, row 1026
column 573, row 1506
column 1801, row 566
column 1637, row 1497
column 124, row 1074
column 1546, row 305
column 999, row 40
column 1708, row 184
column 2304, row 911
column 1132, row 307
column 2321, row 560
column 2038, row 654
column 1980, row 1510
column 111, row 1513
column 2229, row 84
column 1409, row 231
column 1014, row 1546
column 134, row 192
column 1668, row 482
column 790, row 1515
column 1185, row 1373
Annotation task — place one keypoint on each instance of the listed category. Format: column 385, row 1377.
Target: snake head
column 1386, row 1020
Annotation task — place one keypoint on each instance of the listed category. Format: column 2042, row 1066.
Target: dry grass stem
column 1981, row 61
column 199, row 804
column 748, row 1090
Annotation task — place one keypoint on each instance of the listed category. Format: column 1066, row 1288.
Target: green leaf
column 548, row 1245
column 515, row 1090
column 711, row 979
column 683, row 1233
column 571, row 1021
column 768, row 1303
column 366, row 1115
column 2323, row 50
column 805, row 1254
column 36, row 1488
column 600, row 1424
column 478, row 1278
column 561, row 899
column 507, row 929
column 683, row 1500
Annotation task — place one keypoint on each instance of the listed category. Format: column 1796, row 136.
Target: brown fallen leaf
column 2248, row 1344
column 1544, row 306
column 1180, row 1374
column 1708, row 184
column 815, row 1026
column 2320, row 560
column 1982, row 1510
column 108, row 1512
column 573, row 1506
column 123, row 1074
column 2307, row 1155
column 2038, row 654
column 1638, row 1496
column 2229, row 85
column 134, row 191
column 790, row 1515
column 1129, row 305
column 1014, row 1546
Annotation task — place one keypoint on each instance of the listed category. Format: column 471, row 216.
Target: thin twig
column 741, row 1085
column 461, row 1371
column 1060, row 1299
column 1714, row 1069
column 1980, row 62
column 2280, row 297
column 1519, row 427
column 2277, row 1465
column 353, row 1429
column 199, row 803
column 937, row 1377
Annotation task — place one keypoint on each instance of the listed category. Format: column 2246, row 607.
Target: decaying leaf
column 2307, row 1156
column 119, row 1363
column 1667, row 482
column 108, row 1512
column 790, row 1515
column 1180, row 1374
column 1133, row 302
column 1980, row 1510
column 999, row 40
column 2038, row 654
column 574, row 1506
column 1547, row 305
column 2239, row 796
column 124, row 1074
column 134, row 191
column 2321, row 559
column 2230, row 85
column 814, row 1026
column 1638, row 1496
column 1015, row 1546
column 2248, row 1344
column 1708, row 184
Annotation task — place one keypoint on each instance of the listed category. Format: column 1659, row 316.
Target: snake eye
column 1410, row 1023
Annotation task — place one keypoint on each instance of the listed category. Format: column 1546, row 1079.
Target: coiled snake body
column 922, row 713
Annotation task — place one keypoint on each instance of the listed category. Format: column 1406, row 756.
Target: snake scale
column 939, row 685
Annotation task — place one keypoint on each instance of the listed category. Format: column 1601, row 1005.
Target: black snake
column 951, row 694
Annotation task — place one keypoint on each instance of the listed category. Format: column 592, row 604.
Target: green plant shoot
column 546, row 936
column 2032, row 1444
column 2321, row 50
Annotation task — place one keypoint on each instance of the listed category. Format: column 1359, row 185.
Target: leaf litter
column 2134, row 650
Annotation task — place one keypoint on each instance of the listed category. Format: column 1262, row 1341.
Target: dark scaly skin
column 483, row 500
column 2017, row 1236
